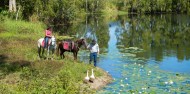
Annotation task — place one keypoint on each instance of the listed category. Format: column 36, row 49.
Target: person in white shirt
column 94, row 50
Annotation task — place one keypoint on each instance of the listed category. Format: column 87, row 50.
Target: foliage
column 62, row 13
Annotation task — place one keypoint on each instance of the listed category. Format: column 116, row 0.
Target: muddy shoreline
column 101, row 81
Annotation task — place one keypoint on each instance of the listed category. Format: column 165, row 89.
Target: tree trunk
column 12, row 5
column 17, row 13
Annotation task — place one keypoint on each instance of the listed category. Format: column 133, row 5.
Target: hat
column 93, row 41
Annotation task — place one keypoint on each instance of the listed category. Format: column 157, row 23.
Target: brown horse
column 74, row 49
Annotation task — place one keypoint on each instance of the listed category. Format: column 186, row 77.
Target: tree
column 12, row 5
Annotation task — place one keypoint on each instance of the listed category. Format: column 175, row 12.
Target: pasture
column 21, row 71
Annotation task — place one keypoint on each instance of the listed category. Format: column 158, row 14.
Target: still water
column 144, row 54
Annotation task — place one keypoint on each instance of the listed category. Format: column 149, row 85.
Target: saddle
column 68, row 45
column 43, row 42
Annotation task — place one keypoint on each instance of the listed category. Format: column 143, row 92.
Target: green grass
column 122, row 12
column 22, row 27
column 21, row 71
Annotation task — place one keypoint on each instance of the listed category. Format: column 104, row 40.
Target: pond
column 144, row 54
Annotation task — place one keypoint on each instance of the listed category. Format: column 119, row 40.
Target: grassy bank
column 21, row 72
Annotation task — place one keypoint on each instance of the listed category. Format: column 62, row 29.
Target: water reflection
column 143, row 53
column 161, row 36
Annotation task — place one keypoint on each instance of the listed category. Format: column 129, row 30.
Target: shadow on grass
column 8, row 66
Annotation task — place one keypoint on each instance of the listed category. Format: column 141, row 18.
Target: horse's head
column 82, row 42
column 53, row 41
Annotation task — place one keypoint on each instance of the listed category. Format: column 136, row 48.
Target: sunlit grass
column 22, row 27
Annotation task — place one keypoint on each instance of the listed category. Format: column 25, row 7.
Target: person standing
column 94, row 51
column 48, row 35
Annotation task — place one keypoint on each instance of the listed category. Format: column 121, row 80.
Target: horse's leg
column 39, row 51
column 47, row 52
column 53, row 50
column 43, row 52
column 62, row 54
column 75, row 55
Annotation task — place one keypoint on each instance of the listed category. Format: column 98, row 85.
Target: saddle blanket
column 43, row 43
column 68, row 45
